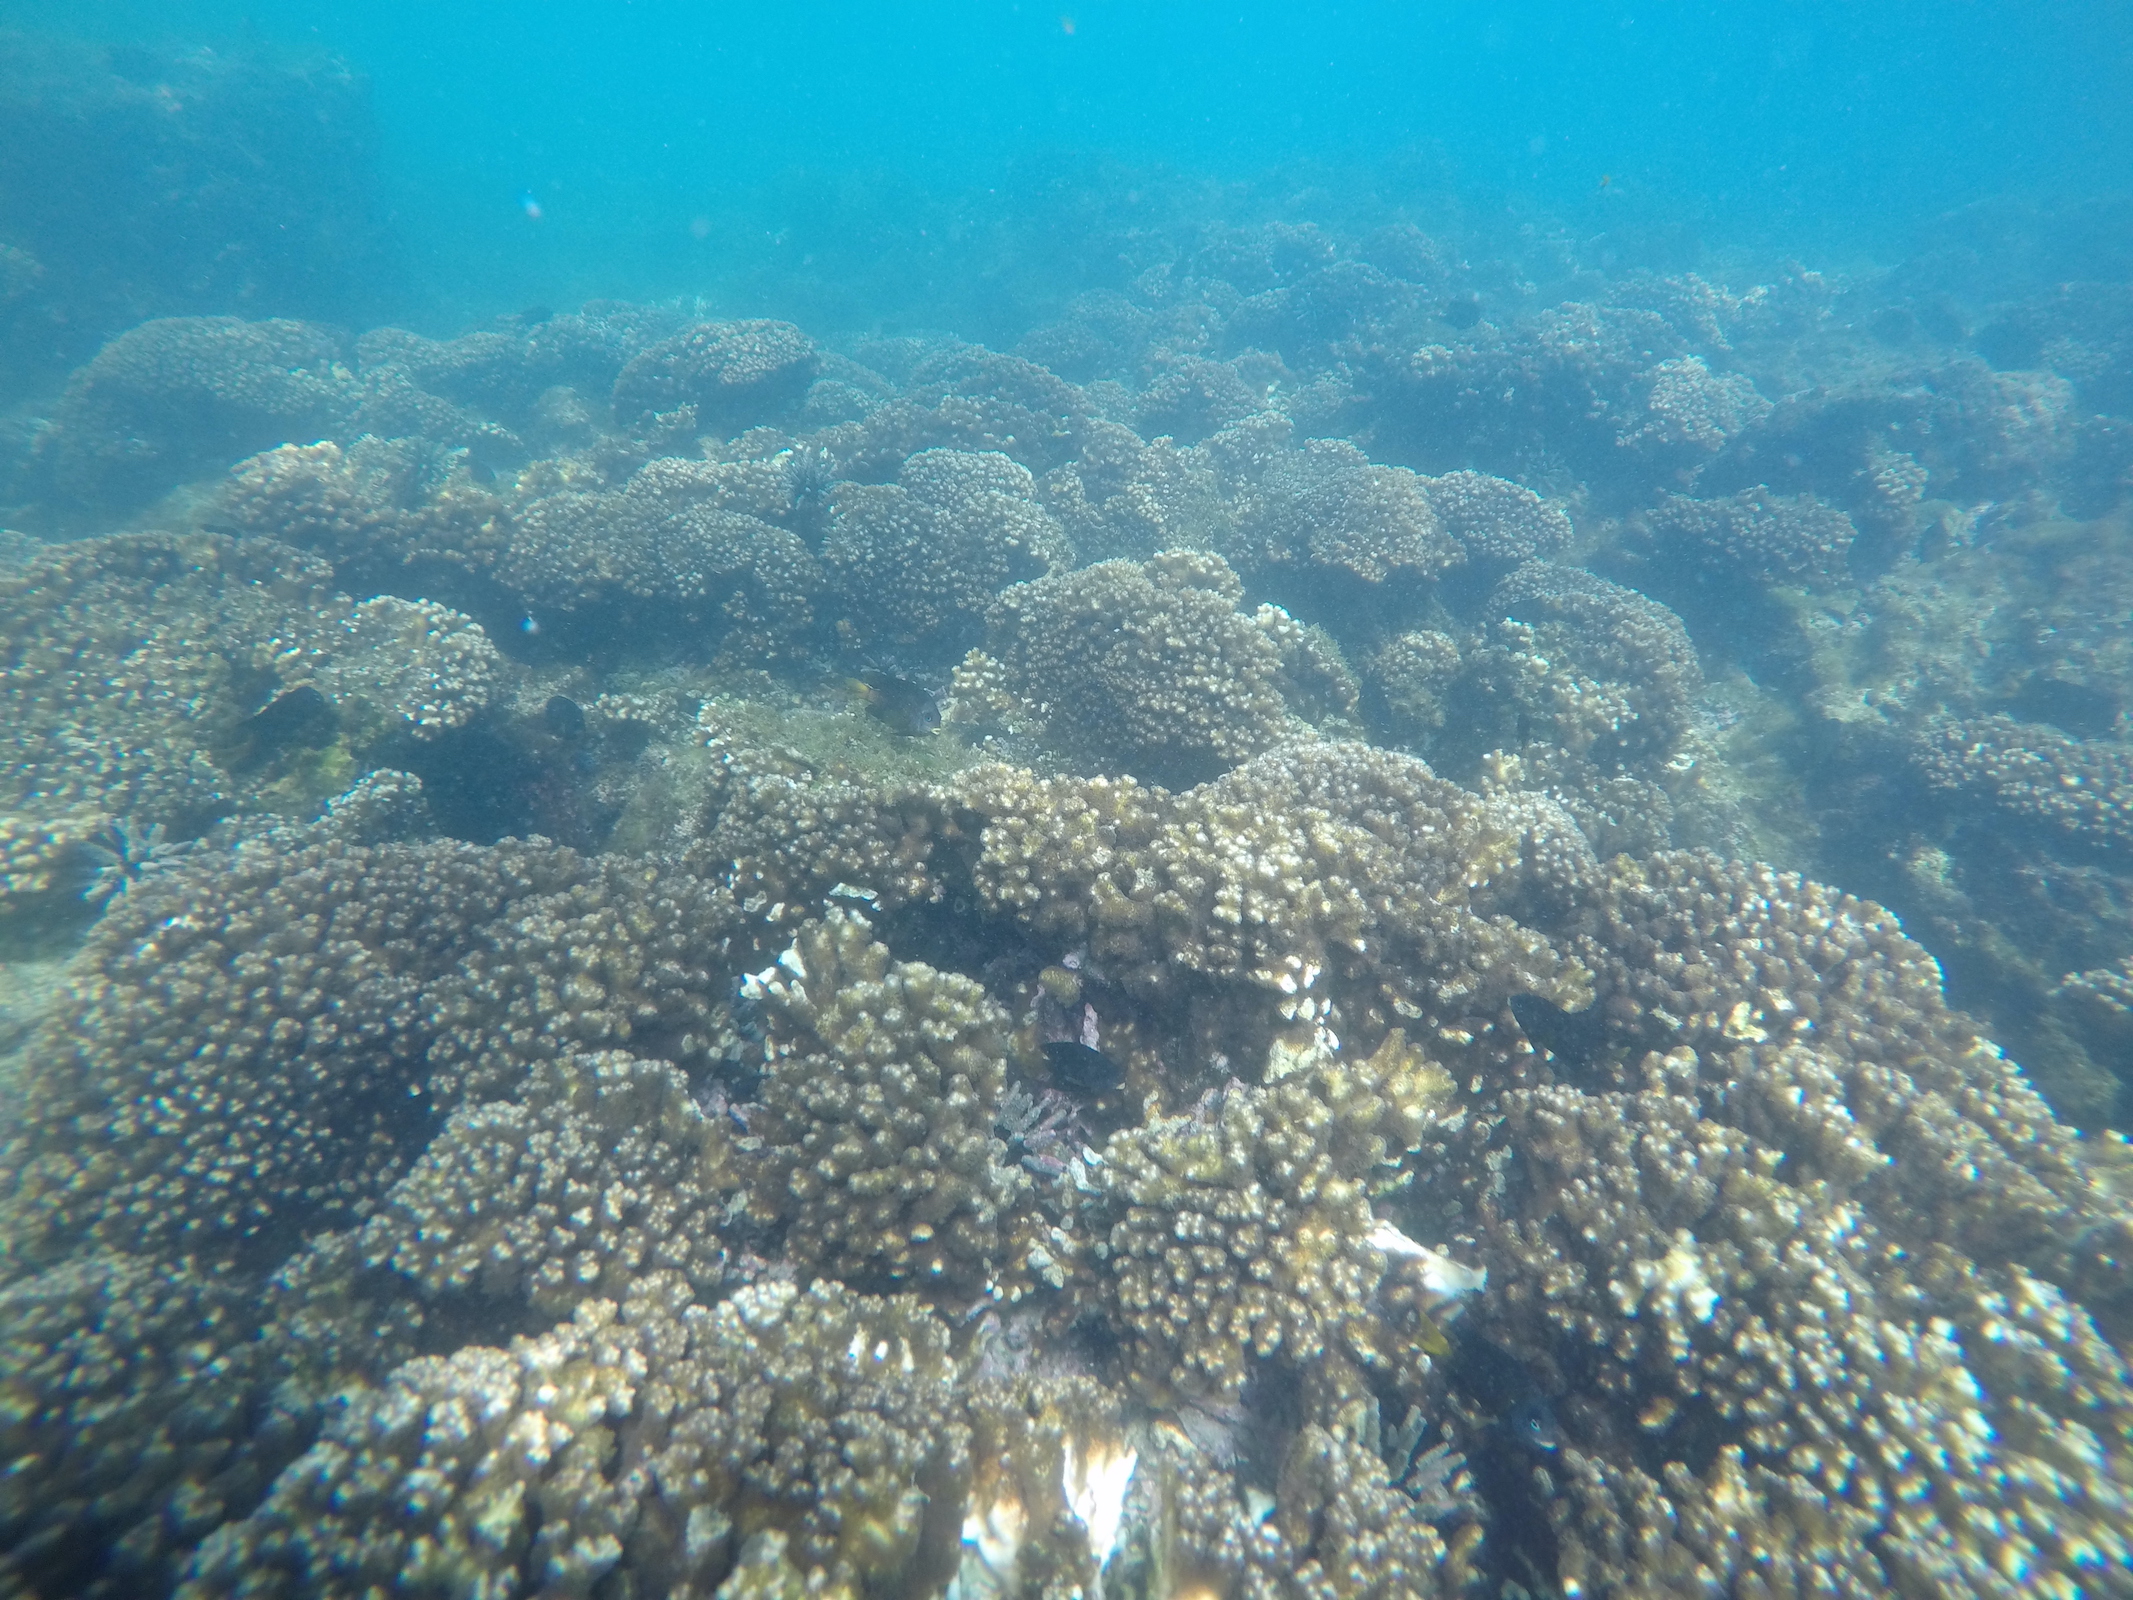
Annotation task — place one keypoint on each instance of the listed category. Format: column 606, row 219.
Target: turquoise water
column 1050, row 802
column 1836, row 130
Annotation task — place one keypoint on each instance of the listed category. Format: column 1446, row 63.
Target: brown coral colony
column 1302, row 1084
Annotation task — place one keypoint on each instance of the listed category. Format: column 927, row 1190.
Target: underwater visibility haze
column 1021, row 802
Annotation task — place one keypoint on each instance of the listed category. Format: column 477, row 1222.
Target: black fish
column 302, row 718
column 1532, row 1425
column 564, row 716
column 903, row 706
column 1462, row 313
column 1080, row 1070
column 1505, row 1387
column 1574, row 1038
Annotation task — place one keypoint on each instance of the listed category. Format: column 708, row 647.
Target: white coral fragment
column 1095, row 1479
column 992, row 1549
column 1440, row 1274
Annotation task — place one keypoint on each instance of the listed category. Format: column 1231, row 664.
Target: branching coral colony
column 1296, row 1088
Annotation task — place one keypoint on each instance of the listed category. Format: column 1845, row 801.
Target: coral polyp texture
column 882, row 1087
column 645, row 952
column 168, row 396
column 1361, row 518
column 1243, row 1229
column 729, row 375
column 1589, row 667
column 142, row 675
column 1149, row 663
column 919, row 560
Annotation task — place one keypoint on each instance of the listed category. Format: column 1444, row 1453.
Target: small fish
column 903, row 706
column 564, row 716
column 528, row 204
column 1463, row 312
column 1574, row 1038
column 302, row 717
column 1532, row 1425
column 1078, row 1069
column 1607, row 180
column 529, row 625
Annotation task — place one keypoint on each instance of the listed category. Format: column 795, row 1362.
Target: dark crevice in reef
column 481, row 784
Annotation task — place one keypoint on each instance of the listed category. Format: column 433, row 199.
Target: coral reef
column 1597, row 670
column 152, row 1422
column 1495, row 520
column 1408, row 676
column 1123, row 497
column 2035, row 772
column 1783, row 1204
column 602, row 1171
column 181, row 393
column 1272, row 875
column 879, row 1096
column 1146, row 665
column 1192, row 398
column 656, row 1129
column 1328, row 506
column 664, row 538
column 139, row 671
column 963, row 397
column 1243, row 1229
column 728, row 376
column 917, row 562
column 263, row 1039
column 1757, row 535
column 812, row 1432
column 1690, row 411
column 372, row 506
column 161, row 179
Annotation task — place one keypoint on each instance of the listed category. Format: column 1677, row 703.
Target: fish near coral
column 897, row 703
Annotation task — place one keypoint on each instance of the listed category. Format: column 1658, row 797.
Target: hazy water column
column 658, row 137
